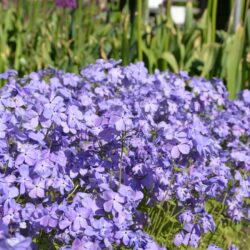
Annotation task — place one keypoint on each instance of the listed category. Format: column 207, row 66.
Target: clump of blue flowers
column 83, row 158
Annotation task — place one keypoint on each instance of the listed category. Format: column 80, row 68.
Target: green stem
column 156, row 222
column 121, row 158
column 167, row 220
column 208, row 35
column 152, row 217
column 125, row 41
column 245, row 80
column 243, row 11
column 244, row 18
column 73, row 191
column 209, row 7
column 139, row 35
column 163, row 200
column 167, row 191
column 219, row 220
column 145, row 11
column 168, row 7
column 231, row 17
column 214, row 13
column 90, row 20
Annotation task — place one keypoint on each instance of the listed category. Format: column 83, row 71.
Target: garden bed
column 118, row 158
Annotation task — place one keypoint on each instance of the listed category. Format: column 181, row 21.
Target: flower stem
column 73, row 191
column 219, row 220
column 121, row 158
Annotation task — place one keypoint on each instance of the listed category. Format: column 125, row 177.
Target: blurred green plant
column 198, row 48
column 163, row 224
column 36, row 34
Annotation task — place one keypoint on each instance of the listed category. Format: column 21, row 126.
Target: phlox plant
column 117, row 158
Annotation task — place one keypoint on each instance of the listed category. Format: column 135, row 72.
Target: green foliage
column 43, row 242
column 36, row 34
column 164, row 224
column 227, row 232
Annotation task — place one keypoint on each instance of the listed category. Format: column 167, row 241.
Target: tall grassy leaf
column 171, row 61
column 209, row 57
column 233, row 55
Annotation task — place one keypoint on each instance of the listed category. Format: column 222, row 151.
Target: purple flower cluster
column 66, row 3
column 79, row 153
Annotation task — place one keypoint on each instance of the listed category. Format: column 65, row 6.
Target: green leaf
column 234, row 52
column 248, row 26
column 125, row 42
column 170, row 59
column 209, row 56
column 150, row 57
column 189, row 16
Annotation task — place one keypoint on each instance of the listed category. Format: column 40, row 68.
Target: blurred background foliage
column 35, row 34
